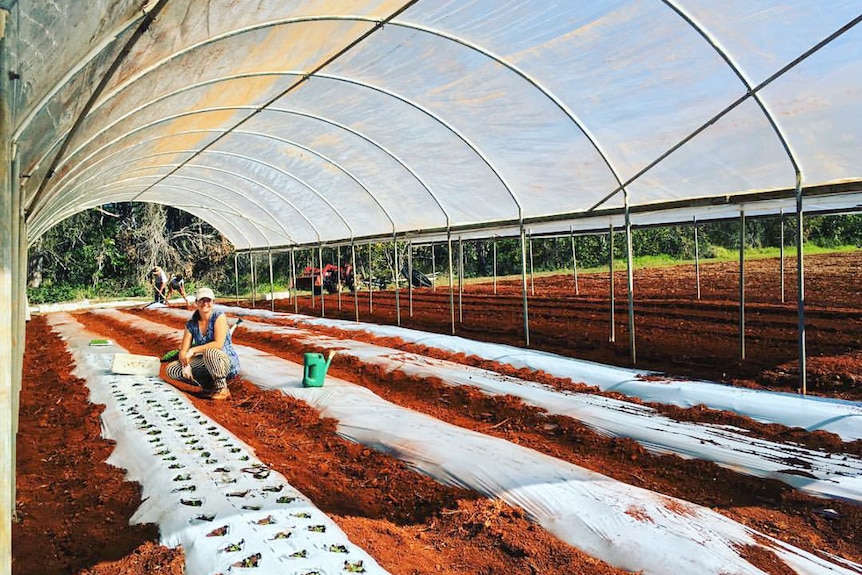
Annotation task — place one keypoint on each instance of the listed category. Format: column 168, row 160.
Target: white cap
column 204, row 292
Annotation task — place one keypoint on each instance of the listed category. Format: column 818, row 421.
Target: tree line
column 108, row 252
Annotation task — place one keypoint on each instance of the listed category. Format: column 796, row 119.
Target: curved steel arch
column 253, row 182
column 300, row 180
column 230, row 190
column 47, row 224
column 737, row 70
column 733, row 105
column 371, row 141
column 34, row 208
column 256, row 110
column 334, row 78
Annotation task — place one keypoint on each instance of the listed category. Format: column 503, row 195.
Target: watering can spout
column 329, row 359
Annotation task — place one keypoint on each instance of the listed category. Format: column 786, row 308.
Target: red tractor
column 331, row 279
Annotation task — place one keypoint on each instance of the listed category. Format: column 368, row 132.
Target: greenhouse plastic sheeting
column 302, row 122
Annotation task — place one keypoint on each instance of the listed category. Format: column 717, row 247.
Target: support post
column 433, row 270
column 9, row 377
column 395, row 271
column 271, row 282
column 460, row 280
column 236, row 275
column 742, row 284
column 451, row 280
column 310, row 266
column 781, row 248
column 355, row 288
column 574, row 260
column 532, row 278
column 320, row 272
column 696, row 259
column 630, row 281
column 253, row 280
column 370, row 283
column 293, row 279
column 338, row 272
column 495, row 266
column 800, row 288
column 410, row 274
column 613, row 335
column 524, row 285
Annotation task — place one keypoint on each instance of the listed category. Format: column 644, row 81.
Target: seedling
column 317, row 528
column 281, row 535
column 252, row 508
column 183, row 477
column 286, row 499
column 205, row 517
column 248, row 562
column 302, row 515
column 337, row 549
column 218, row 532
column 268, row 520
column 238, row 493
column 354, row 566
column 301, row 554
column 192, row 502
column 234, row 547
column 274, row 488
column 186, row 488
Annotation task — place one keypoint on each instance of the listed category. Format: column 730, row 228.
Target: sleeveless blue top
column 199, row 338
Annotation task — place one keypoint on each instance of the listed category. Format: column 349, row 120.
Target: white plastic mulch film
column 299, row 122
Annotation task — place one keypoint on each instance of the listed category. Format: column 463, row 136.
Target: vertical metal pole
column 742, row 284
column 630, row 281
column 433, row 270
column 696, row 258
column 253, row 280
column 410, row 274
column 320, row 272
column 524, row 284
column 613, row 335
column 460, row 280
column 370, row 283
column 532, row 281
column 495, row 266
column 271, row 282
column 451, row 280
column 10, row 379
column 355, row 288
column 800, row 288
column 338, row 283
column 236, row 275
column 574, row 260
column 396, row 270
column 310, row 266
column 293, row 279
column 20, row 314
column 781, row 249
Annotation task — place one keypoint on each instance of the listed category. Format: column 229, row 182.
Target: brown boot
column 220, row 394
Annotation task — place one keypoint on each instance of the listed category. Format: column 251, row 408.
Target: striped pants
column 208, row 370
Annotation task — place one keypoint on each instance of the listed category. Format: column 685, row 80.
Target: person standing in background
column 160, row 284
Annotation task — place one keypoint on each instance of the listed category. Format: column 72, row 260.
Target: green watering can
column 315, row 369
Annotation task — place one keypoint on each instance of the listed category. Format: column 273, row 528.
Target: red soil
column 74, row 509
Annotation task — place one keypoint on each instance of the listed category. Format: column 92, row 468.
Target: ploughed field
column 74, row 509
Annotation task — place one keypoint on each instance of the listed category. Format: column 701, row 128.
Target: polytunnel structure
column 287, row 123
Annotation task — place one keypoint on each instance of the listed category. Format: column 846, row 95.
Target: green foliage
column 108, row 252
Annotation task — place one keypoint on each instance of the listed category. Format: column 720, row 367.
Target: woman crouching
column 207, row 357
